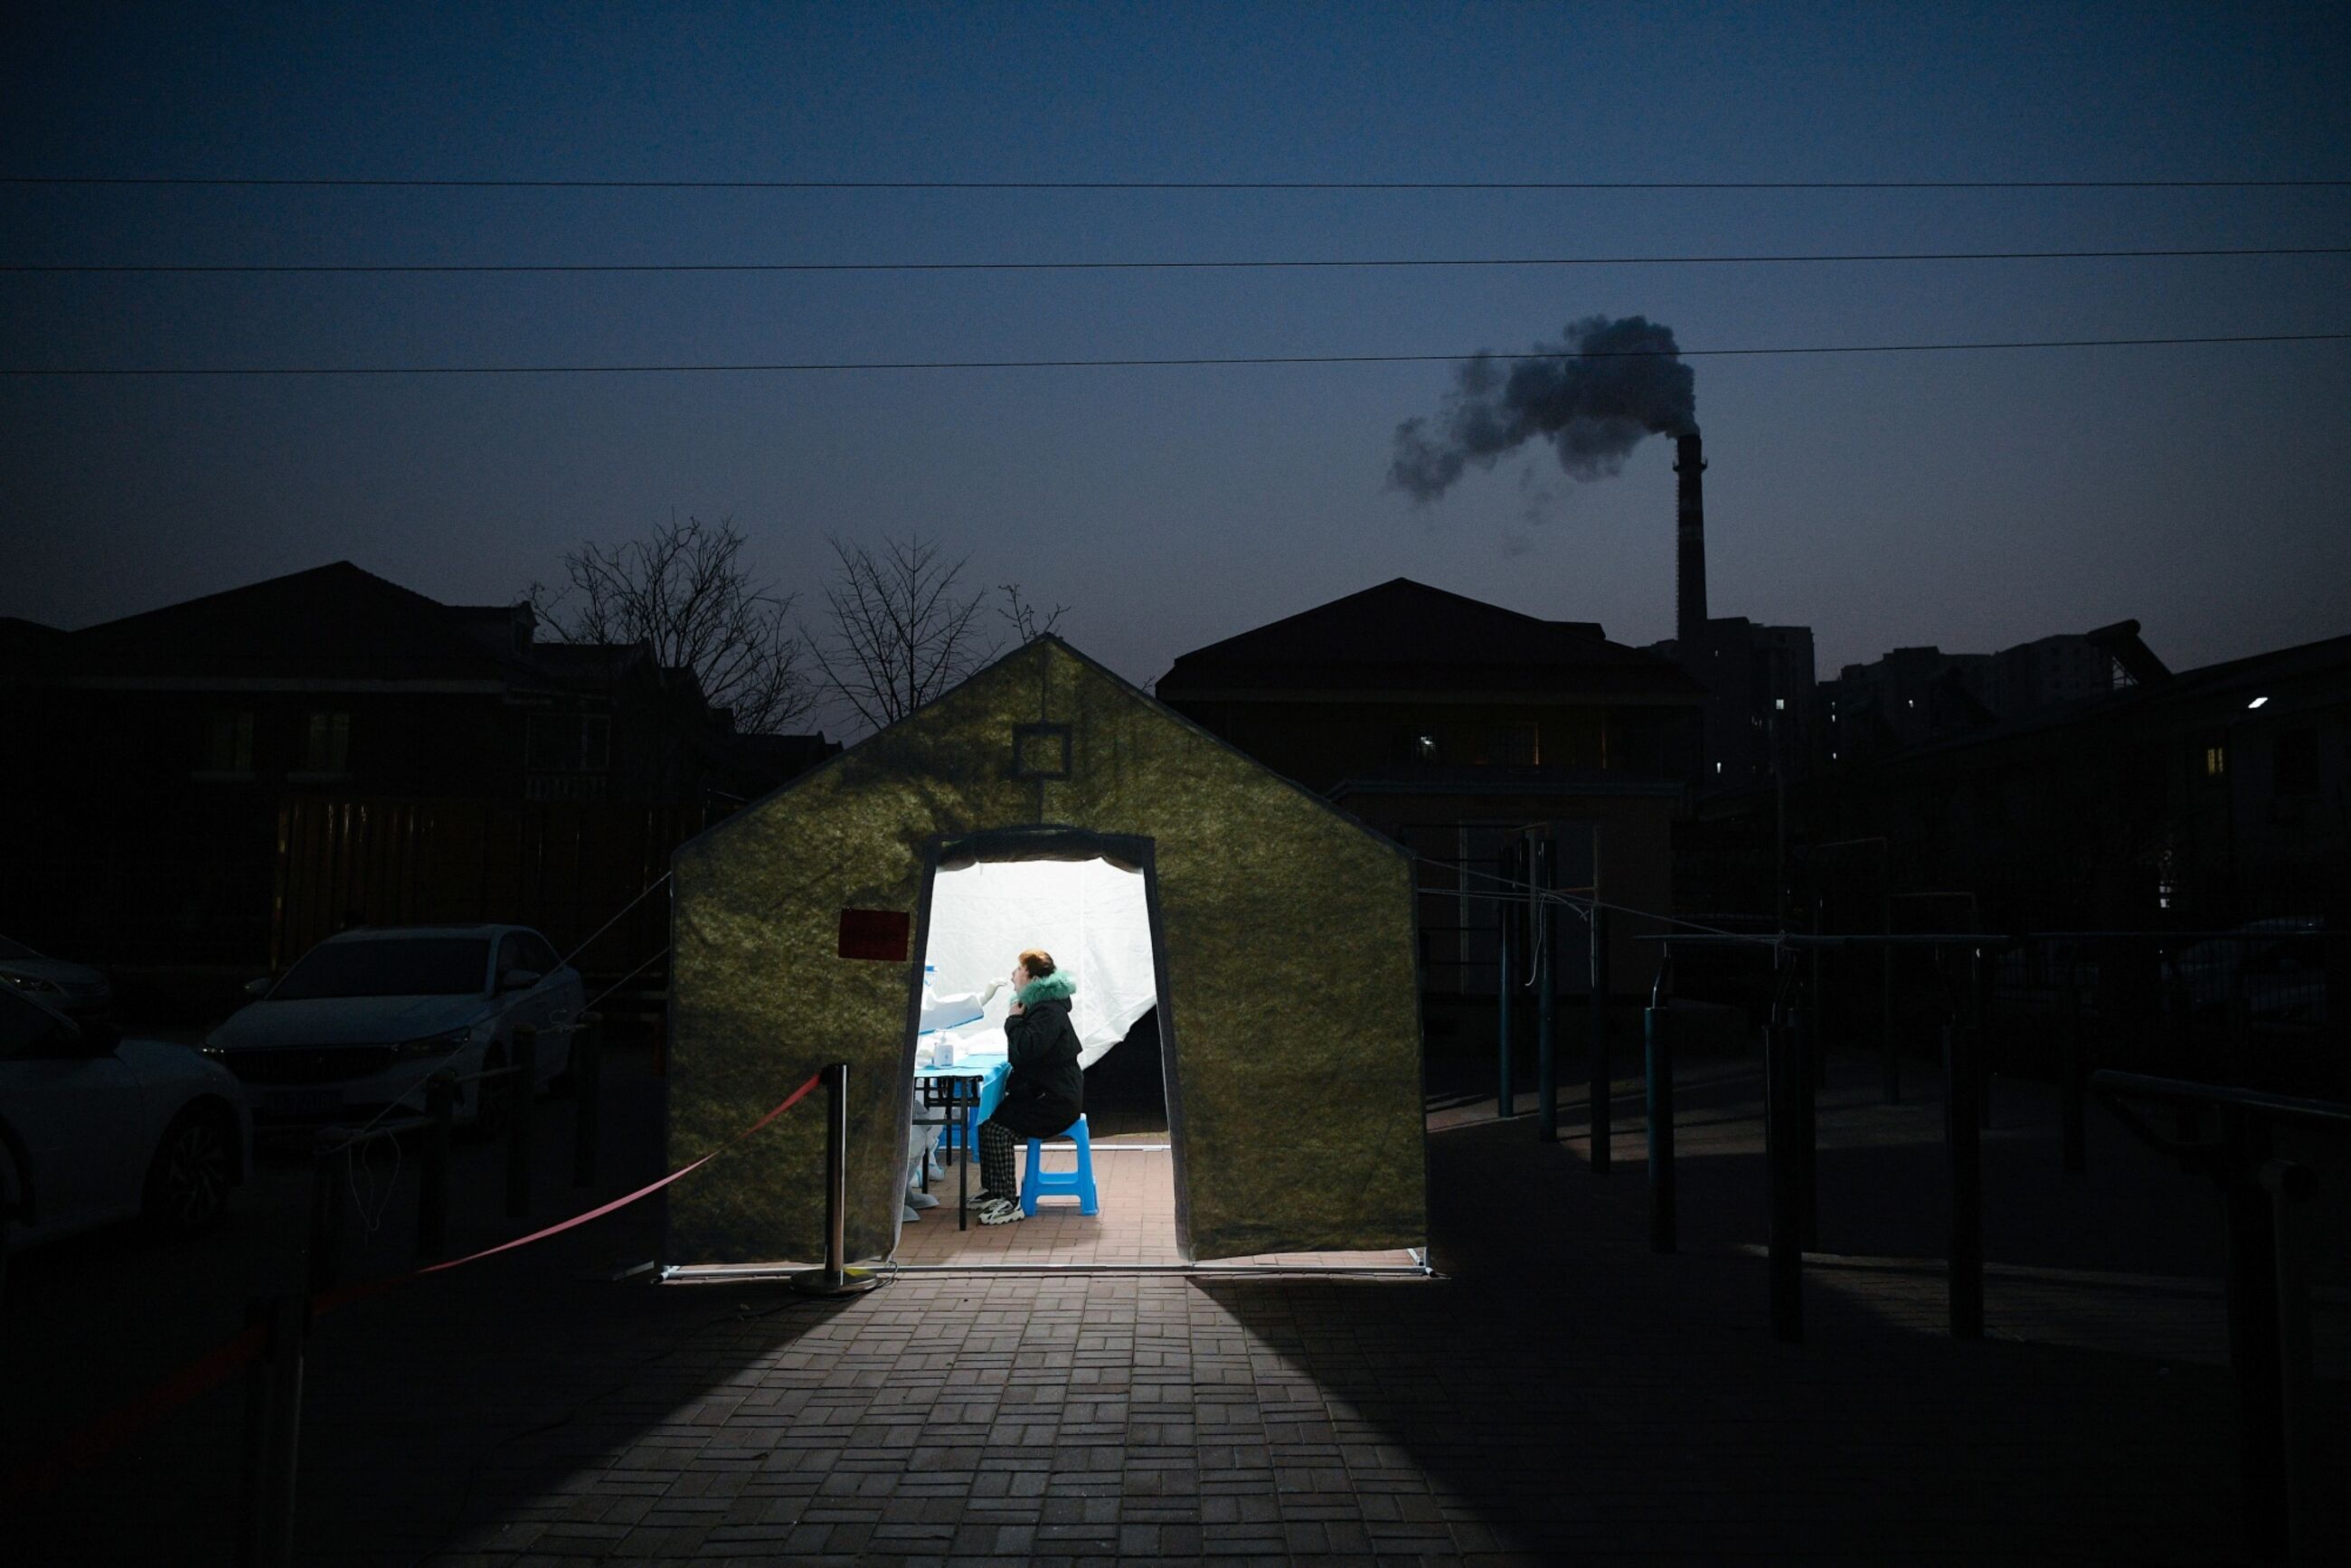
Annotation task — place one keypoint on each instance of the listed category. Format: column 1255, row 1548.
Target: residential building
column 216, row 782
column 1454, row 725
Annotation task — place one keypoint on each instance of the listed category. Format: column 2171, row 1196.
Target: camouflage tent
column 1282, row 931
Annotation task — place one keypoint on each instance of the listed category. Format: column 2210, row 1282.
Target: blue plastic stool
column 1037, row 1182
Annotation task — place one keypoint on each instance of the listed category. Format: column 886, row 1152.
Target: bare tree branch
column 685, row 594
column 1026, row 625
column 901, row 634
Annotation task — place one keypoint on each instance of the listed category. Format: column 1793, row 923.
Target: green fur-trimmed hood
column 1053, row 988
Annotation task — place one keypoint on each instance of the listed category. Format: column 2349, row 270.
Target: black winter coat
column 1047, row 1090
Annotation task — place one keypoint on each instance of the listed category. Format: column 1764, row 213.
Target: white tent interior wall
column 1089, row 914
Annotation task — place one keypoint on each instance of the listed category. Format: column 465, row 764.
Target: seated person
column 1047, row 1089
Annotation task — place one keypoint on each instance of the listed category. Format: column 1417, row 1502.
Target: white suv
column 367, row 1015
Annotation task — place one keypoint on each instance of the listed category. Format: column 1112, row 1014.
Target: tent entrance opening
column 1095, row 916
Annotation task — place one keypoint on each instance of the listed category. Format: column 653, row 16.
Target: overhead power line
column 1151, row 364
column 1203, row 265
column 429, row 183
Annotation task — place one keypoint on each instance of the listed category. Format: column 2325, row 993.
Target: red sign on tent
column 883, row 934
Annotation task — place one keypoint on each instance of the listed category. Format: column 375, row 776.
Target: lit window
column 1424, row 747
column 1717, row 767
column 2215, row 761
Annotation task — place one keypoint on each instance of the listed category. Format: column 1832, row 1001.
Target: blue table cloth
column 992, row 1067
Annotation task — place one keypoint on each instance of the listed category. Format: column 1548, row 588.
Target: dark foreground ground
column 1562, row 1396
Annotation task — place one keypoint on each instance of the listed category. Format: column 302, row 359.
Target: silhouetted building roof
column 334, row 621
column 761, row 762
column 1404, row 636
column 19, row 636
column 2223, row 688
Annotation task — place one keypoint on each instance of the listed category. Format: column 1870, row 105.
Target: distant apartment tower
column 1911, row 696
column 1758, row 682
column 2049, row 673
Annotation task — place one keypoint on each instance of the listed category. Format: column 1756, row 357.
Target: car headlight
column 34, row 983
column 443, row 1044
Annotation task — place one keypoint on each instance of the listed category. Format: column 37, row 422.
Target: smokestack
column 1690, row 558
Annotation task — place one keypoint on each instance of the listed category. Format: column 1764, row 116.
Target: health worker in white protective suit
column 940, row 1014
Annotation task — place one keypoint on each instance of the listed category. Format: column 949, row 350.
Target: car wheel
column 194, row 1167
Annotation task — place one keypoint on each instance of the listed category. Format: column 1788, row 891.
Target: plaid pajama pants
column 996, row 1175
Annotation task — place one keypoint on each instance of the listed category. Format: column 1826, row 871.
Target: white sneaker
column 999, row 1211
column 917, row 1198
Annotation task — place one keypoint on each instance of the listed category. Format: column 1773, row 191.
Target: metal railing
column 334, row 1149
column 2266, row 1199
column 2263, row 1007
column 2226, row 1133
column 274, row 1397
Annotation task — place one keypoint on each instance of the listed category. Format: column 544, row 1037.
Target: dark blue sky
column 1970, row 500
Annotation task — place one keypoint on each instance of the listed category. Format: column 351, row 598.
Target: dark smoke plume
column 1593, row 410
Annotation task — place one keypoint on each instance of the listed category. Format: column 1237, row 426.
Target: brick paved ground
column 1565, row 1395
column 1133, row 1179
column 1134, row 1187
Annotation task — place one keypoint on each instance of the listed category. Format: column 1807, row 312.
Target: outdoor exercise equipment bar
column 2265, row 1198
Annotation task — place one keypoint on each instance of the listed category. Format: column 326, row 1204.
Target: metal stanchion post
column 1779, row 1071
column 271, row 1536
column 1983, row 1037
column 2288, row 1185
column 1602, row 1075
column 256, row 1441
column 1512, row 907
column 2255, row 1315
column 1546, row 959
column 2071, row 1123
column 1963, row 1139
column 523, row 1099
column 331, row 1164
column 836, row 1278
column 1891, row 1089
column 586, row 1095
column 1658, row 1038
column 433, row 1181
column 1816, row 1056
column 1804, row 1087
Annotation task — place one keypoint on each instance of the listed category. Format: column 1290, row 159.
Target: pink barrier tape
column 126, row 1421
column 796, row 1096
column 95, row 1440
